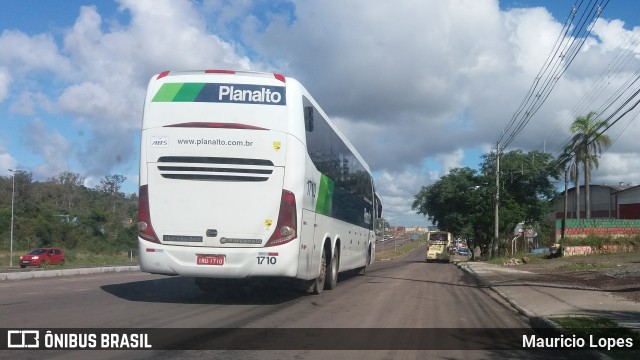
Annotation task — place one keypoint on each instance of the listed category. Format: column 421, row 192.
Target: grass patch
column 600, row 328
column 75, row 259
column 87, row 259
column 401, row 250
column 599, row 241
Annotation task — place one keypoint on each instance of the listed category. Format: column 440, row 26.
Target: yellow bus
column 438, row 245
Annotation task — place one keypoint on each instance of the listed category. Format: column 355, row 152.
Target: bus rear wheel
column 333, row 271
column 319, row 283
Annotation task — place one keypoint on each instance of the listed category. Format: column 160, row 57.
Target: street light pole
column 13, row 191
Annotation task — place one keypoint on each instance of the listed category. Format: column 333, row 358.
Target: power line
column 623, row 57
column 552, row 54
column 563, row 55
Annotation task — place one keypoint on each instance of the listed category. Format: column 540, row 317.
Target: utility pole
column 565, row 210
column 495, row 239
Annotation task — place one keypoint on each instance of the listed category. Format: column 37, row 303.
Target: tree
column 569, row 162
column 588, row 141
column 527, row 180
column 457, row 203
column 69, row 183
column 110, row 185
column 461, row 201
column 42, row 215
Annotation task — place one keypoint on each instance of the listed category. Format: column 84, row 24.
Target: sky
column 419, row 86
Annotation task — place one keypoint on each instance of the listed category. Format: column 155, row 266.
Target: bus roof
column 230, row 72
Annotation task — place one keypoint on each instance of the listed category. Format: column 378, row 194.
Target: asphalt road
column 397, row 295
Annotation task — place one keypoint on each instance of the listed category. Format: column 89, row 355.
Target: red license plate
column 210, row 259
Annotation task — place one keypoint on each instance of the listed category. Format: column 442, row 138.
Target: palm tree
column 588, row 141
column 569, row 160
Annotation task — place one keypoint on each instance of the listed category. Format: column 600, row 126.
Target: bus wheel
column 333, row 271
column 318, row 284
column 363, row 269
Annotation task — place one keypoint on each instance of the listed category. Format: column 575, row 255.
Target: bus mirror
column 308, row 118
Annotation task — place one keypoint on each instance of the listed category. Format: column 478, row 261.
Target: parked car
column 464, row 252
column 42, row 257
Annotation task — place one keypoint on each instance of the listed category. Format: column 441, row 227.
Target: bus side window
column 308, row 118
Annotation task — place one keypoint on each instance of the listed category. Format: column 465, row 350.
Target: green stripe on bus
column 325, row 195
column 329, row 197
column 167, row 92
column 178, row 92
column 188, row 92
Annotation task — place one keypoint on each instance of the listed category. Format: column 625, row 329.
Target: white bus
column 242, row 175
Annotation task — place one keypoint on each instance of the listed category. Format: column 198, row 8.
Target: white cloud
column 397, row 190
column 616, row 168
column 6, row 161
column 25, row 54
column 99, row 76
column 116, row 65
column 51, row 145
column 5, row 80
column 451, row 161
column 27, row 103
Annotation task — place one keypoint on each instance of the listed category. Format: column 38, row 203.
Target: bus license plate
column 210, row 259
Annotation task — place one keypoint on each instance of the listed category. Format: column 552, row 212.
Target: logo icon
column 23, row 339
column 276, row 145
column 159, row 141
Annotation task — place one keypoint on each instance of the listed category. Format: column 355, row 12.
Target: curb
column 65, row 272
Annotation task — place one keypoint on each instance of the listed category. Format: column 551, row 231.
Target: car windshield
column 37, row 251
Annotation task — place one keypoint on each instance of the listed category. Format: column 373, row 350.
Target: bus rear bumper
column 230, row 263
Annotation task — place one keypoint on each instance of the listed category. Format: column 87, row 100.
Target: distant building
column 398, row 230
column 629, row 203
column 620, row 201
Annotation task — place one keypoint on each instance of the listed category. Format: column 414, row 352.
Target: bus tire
column 333, row 271
column 319, row 283
column 363, row 269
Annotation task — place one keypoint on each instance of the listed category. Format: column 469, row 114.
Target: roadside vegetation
column 76, row 259
column 91, row 225
column 600, row 327
column 401, row 250
column 600, row 241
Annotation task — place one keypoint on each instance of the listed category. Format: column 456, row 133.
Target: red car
column 41, row 257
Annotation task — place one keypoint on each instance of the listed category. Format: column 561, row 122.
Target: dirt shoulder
column 617, row 273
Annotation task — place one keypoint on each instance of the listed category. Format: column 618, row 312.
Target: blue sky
column 420, row 86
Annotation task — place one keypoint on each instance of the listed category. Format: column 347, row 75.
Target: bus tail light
column 287, row 221
column 145, row 229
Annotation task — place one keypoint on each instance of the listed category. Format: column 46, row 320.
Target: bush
column 599, row 241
